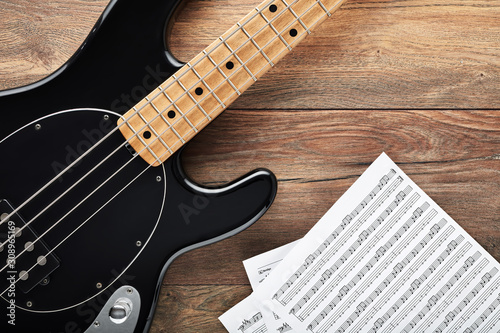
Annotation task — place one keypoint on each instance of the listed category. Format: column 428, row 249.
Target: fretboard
column 190, row 99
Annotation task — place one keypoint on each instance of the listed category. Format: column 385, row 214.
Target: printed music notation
column 244, row 317
column 385, row 258
column 260, row 266
column 248, row 323
column 329, row 240
column 257, row 269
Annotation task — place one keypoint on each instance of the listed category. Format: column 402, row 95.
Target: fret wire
column 165, row 120
column 176, row 79
column 162, row 90
column 238, row 58
column 194, row 99
column 275, row 31
column 232, row 33
column 206, row 85
column 243, row 64
column 280, row 34
column 154, row 131
column 223, row 41
column 280, row 52
column 324, row 8
column 255, row 44
column 222, row 72
column 298, row 18
column 178, row 110
column 137, row 135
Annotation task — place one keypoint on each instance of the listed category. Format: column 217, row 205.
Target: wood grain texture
column 379, row 76
column 379, row 54
column 37, row 37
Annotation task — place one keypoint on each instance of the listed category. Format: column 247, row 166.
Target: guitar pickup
column 35, row 264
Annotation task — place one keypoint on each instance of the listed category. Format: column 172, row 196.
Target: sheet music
column 259, row 267
column 246, row 316
column 384, row 258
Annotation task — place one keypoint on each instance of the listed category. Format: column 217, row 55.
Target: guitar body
column 94, row 245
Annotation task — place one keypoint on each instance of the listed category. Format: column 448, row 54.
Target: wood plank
column 37, row 37
column 195, row 308
column 371, row 54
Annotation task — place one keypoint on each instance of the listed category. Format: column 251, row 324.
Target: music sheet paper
column 259, row 267
column 384, row 258
column 245, row 316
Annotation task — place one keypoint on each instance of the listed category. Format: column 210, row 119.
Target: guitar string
column 143, row 150
column 168, row 129
column 125, row 121
column 158, row 159
column 162, row 90
column 247, row 80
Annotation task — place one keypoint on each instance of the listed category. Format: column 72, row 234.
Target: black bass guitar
column 94, row 203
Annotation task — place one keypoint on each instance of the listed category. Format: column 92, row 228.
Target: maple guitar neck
column 180, row 107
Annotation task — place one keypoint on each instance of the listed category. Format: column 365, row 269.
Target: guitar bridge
column 33, row 263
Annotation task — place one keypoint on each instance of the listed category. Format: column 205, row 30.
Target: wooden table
column 417, row 79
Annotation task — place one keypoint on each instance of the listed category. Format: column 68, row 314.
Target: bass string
column 121, row 145
column 168, row 128
column 142, row 172
column 146, row 125
column 71, row 165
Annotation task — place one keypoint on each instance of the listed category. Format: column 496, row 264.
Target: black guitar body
column 91, row 248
